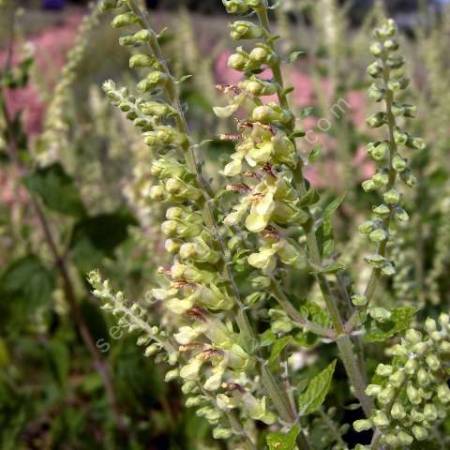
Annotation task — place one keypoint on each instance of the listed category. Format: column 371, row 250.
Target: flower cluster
column 265, row 158
column 209, row 337
column 412, row 394
column 388, row 86
column 55, row 125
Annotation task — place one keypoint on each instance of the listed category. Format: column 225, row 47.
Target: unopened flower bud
column 433, row 362
column 430, row 412
column 380, row 419
column 245, row 30
column 362, row 425
column 376, row 120
column 398, row 411
column 405, row 438
column 391, row 197
column 420, row 433
column 359, row 300
column 376, row 49
column 413, row 394
column 399, row 164
column 380, row 314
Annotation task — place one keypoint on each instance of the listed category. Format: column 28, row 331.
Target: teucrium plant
column 227, row 343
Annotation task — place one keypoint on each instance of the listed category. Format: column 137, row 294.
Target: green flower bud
column 417, row 416
column 152, row 349
column 387, row 30
column 413, row 394
column 391, row 45
column 372, row 390
column 222, row 433
column 444, row 320
column 398, row 412
column 268, row 114
column 391, row 197
column 172, row 246
column 245, row 30
column 420, row 348
column 404, row 438
column 386, row 396
column 391, row 440
column 408, row 178
column 359, row 300
column 430, row 412
column 376, row 260
column 404, row 110
column 378, row 235
column 430, row 325
column 171, row 375
column 169, row 228
column 106, row 5
column 420, row 433
column 237, row 61
column 395, row 62
column 157, row 193
column 399, row 164
column 413, row 336
column 141, row 60
column 375, row 70
column 376, row 120
column 376, row 93
column 155, row 109
column 124, row 20
column 411, row 366
column 378, row 151
column 400, row 137
column 362, row 425
column 368, row 185
column 382, row 210
column 259, row 87
column 261, row 55
column 380, row 314
column 381, row 179
column 399, row 84
column 191, row 402
column 367, row 227
column 417, row 143
column 388, row 269
column 444, row 347
column 433, row 362
column 380, row 419
column 155, row 79
column 398, row 378
column 376, row 49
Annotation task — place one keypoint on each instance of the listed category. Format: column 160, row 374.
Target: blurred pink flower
column 50, row 50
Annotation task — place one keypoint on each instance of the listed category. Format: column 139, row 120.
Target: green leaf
column 317, row 390
column 399, row 321
column 310, row 198
column 56, row 189
column 314, row 154
column 95, row 238
column 296, row 55
column 282, row 441
column 331, row 208
column 278, row 346
column 27, row 279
